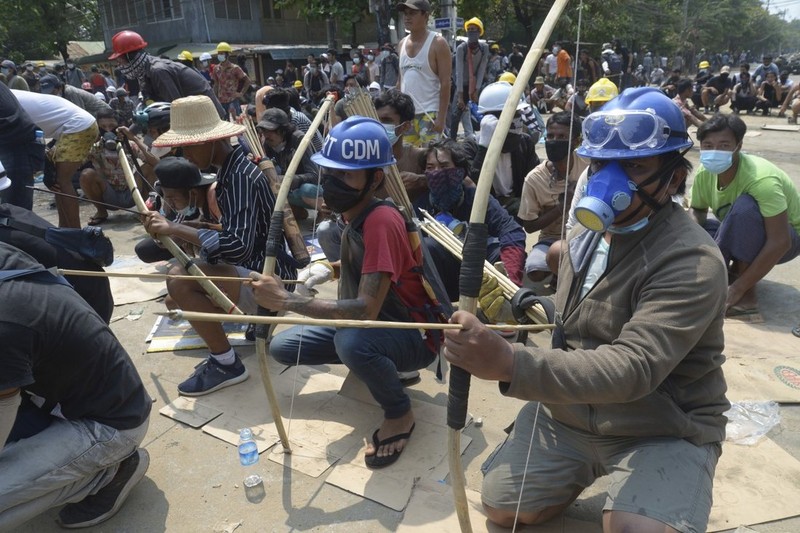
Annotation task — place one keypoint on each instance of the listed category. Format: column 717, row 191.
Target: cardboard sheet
column 133, row 290
column 190, row 411
column 391, row 486
column 171, row 336
column 754, row 484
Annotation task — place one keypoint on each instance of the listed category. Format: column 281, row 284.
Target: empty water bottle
column 38, row 176
column 248, row 456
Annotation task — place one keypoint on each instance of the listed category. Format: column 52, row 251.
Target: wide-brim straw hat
column 195, row 120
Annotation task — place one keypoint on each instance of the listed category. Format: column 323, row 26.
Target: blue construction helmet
column 356, row 143
column 640, row 122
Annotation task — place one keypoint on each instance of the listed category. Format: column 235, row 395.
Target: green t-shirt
column 767, row 184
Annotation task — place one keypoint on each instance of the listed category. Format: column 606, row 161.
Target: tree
column 42, row 28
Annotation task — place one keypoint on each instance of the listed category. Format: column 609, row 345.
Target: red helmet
column 125, row 42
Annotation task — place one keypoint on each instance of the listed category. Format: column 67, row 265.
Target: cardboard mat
column 760, row 371
column 133, row 290
column 168, row 335
column 754, row 484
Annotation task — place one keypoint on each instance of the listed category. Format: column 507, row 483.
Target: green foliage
column 42, row 28
column 665, row 26
column 345, row 12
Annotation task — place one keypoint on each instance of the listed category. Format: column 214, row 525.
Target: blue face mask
column 391, row 133
column 716, row 161
column 187, row 213
column 636, row 226
column 608, row 193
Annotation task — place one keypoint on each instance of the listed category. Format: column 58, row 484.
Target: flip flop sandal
column 373, row 461
column 96, row 221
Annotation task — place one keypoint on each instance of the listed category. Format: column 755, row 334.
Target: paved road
column 194, row 482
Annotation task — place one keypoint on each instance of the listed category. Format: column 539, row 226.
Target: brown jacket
column 644, row 347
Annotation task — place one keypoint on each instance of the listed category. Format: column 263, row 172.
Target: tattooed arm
column 372, row 291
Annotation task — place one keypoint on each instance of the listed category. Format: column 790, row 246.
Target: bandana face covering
column 137, row 67
column 446, row 187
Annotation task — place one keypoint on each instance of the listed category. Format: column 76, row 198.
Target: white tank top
column 419, row 81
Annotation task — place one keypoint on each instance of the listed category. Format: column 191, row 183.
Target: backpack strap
column 35, row 274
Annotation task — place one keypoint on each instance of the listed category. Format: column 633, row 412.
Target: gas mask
column 608, row 193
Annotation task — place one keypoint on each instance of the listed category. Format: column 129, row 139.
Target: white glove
column 488, row 125
column 314, row 274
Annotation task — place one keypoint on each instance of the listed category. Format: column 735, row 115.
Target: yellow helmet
column 704, row 64
column 603, row 90
column 298, row 84
column 224, row 47
column 40, row 64
column 186, row 55
column 474, row 21
column 510, row 77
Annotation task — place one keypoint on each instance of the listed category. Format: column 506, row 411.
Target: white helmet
column 205, row 56
column 494, row 96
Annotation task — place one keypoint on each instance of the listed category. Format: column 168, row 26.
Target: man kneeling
column 379, row 280
column 73, row 409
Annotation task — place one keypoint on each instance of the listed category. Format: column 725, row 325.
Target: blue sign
column 441, row 24
column 459, row 22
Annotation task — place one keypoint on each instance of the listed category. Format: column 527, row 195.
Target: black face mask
column 556, row 150
column 341, row 197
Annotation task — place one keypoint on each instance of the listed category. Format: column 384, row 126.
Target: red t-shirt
column 388, row 250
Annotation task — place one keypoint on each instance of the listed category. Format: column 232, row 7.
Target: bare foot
column 389, row 428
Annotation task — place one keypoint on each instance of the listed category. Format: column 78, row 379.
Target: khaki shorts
column 74, row 147
column 422, row 131
column 663, row 478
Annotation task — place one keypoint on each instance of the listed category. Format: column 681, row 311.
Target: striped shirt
column 303, row 123
column 246, row 202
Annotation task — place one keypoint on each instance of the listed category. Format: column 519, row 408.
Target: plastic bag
column 749, row 422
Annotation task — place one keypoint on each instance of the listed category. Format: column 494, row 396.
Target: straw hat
column 194, row 120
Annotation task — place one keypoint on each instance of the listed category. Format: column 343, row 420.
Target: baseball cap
column 48, row 83
column 121, row 92
column 7, row 63
column 725, row 70
column 419, row 5
column 180, row 173
column 272, row 119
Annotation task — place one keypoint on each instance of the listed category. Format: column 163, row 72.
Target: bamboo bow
column 474, row 257
column 275, row 243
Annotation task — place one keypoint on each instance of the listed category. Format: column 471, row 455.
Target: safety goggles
column 635, row 129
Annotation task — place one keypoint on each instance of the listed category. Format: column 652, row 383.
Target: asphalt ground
column 195, row 482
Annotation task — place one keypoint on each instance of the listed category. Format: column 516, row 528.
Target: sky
column 792, row 7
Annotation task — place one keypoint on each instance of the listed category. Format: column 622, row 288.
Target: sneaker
column 210, row 376
column 99, row 507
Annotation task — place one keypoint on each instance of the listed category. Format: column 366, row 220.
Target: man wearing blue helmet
column 379, row 279
column 633, row 386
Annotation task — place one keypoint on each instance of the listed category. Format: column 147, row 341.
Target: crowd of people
column 605, row 196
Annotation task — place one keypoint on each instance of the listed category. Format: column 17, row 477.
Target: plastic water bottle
column 38, row 177
column 248, row 456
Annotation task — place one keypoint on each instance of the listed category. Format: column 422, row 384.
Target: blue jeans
column 64, row 463
column 374, row 355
